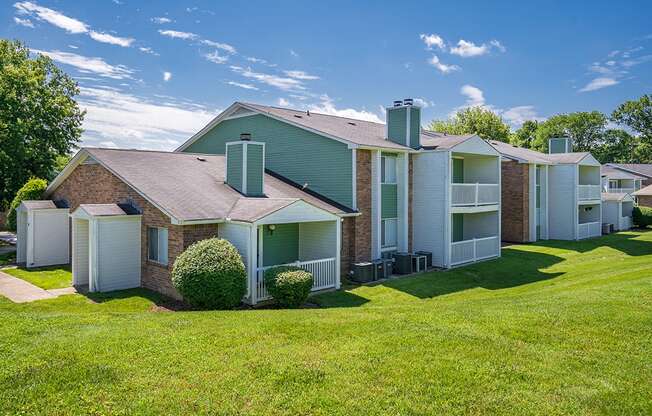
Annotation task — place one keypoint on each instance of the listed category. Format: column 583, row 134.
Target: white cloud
column 599, row 83
column 326, row 106
column 468, row 49
column 282, row 83
column 242, row 85
column 294, row 53
column 224, row 46
column 73, row 47
column 161, row 20
column 24, row 22
column 256, row 60
column 423, row 103
column 474, row 95
column 216, row 57
column 147, row 50
column 441, row 67
column 167, row 76
column 516, row 116
column 128, row 121
column 51, row 16
column 113, row 40
column 283, row 102
column 300, row 75
column 178, row 35
column 432, row 40
column 89, row 64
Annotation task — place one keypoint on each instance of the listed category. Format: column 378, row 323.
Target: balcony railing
column 625, row 223
column 588, row 230
column 474, row 194
column 621, row 190
column 323, row 274
column 588, row 192
column 468, row 251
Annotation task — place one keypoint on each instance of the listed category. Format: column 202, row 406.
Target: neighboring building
column 617, row 210
column 549, row 196
column 639, row 169
column 620, row 181
column 644, row 196
column 158, row 203
column 456, row 200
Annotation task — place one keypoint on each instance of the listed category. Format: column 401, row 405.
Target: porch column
column 403, row 197
column 338, row 251
column 253, row 262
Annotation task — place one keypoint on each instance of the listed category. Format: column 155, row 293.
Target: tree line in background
column 625, row 136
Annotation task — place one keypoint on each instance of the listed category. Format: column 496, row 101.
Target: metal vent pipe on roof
column 408, row 101
column 398, row 103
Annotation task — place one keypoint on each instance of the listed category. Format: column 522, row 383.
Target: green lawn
column 553, row 328
column 54, row 277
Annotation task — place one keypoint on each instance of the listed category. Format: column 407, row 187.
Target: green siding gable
column 254, row 169
column 415, row 128
column 234, row 167
column 389, row 200
column 297, row 154
column 282, row 245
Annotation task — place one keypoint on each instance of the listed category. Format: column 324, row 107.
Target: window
column 388, row 232
column 157, row 245
column 388, row 169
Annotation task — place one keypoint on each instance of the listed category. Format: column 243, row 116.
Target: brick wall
column 93, row 184
column 644, row 200
column 515, row 178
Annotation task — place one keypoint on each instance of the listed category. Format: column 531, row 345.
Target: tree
column 586, row 129
column 474, row 120
column 39, row 119
column 32, row 190
column 618, row 147
column 637, row 116
column 526, row 135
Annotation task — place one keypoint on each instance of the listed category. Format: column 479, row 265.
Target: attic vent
column 352, row 123
column 201, row 159
column 298, row 116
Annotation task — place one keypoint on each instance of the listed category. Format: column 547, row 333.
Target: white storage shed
column 106, row 247
column 43, row 234
column 617, row 210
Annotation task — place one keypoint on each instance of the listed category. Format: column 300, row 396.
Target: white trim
column 245, row 146
column 338, row 253
column 354, row 179
column 403, row 232
column 376, row 198
column 448, row 238
column 500, row 206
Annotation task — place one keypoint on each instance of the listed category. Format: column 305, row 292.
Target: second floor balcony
column 474, row 194
column 588, row 192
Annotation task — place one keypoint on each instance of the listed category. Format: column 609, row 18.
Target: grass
column 7, row 258
column 552, row 328
column 54, row 277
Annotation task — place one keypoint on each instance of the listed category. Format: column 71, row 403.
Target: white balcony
column 588, row 192
column 468, row 251
column 625, row 223
column 588, row 230
column 621, row 190
column 323, row 273
column 474, row 194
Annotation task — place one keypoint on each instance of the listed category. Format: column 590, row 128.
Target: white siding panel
column 80, row 252
column 21, row 234
column 562, row 206
column 429, row 204
column 317, row 240
column 238, row 235
column 475, row 145
column 118, row 253
column 51, row 237
column 297, row 212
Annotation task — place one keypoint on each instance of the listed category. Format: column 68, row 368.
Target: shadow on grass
column 159, row 300
column 624, row 242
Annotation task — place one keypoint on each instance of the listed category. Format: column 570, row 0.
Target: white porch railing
column 475, row 249
column 587, row 192
column 621, row 190
column 323, row 273
column 625, row 223
column 474, row 194
column 588, row 230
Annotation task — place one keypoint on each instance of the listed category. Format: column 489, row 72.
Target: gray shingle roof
column 520, row 153
column 38, row 204
column 431, row 139
column 102, row 210
column 575, row 157
column 644, row 191
column 614, row 173
column 639, row 168
column 192, row 189
column 612, row 196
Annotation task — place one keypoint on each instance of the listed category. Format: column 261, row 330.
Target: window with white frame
column 388, row 232
column 388, row 169
column 157, row 245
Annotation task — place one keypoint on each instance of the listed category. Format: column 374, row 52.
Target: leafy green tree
column 39, row 119
column 526, row 135
column 474, row 120
column 637, row 116
column 32, row 190
column 618, row 146
column 586, row 129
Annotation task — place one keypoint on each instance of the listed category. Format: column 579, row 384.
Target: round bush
column 210, row 275
column 32, row 190
column 642, row 216
column 288, row 285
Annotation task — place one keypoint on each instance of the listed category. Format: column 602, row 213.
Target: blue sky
column 152, row 73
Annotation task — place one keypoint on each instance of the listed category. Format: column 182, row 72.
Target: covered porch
column 474, row 237
column 475, row 179
column 589, row 221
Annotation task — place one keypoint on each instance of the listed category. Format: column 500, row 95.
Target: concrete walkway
column 20, row 291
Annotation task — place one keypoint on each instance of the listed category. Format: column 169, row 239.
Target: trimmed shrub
column 210, row 275
column 288, row 285
column 32, row 190
column 642, row 216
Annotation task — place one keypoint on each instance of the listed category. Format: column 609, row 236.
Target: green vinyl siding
column 458, row 170
column 389, row 200
column 557, row 146
column 415, row 128
column 254, row 169
column 282, row 245
column 458, row 227
column 234, row 167
column 304, row 157
column 397, row 124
